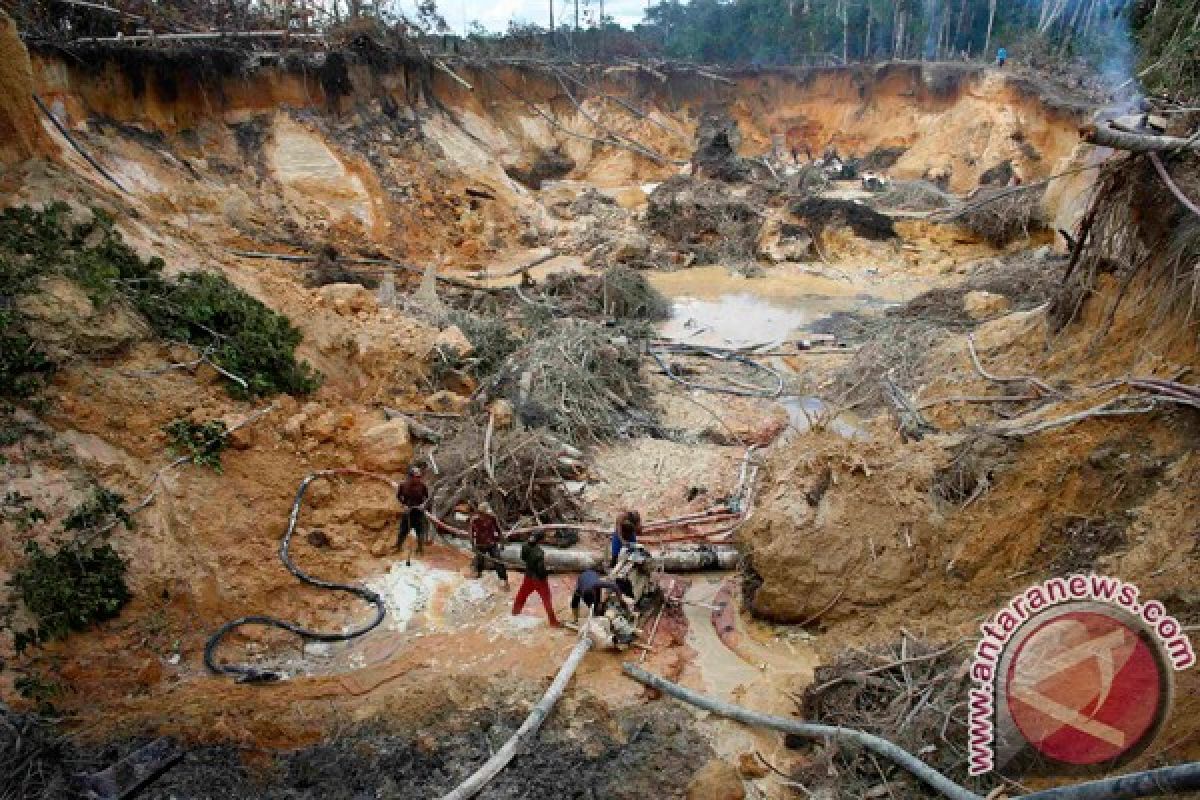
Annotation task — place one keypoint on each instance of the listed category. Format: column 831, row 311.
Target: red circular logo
column 1084, row 687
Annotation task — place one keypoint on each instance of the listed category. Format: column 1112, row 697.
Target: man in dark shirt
column 590, row 589
column 537, row 578
column 413, row 494
column 485, row 539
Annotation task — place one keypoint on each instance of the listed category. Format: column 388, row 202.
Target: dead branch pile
column 912, row 694
column 521, row 473
column 892, row 345
column 1138, row 229
column 913, row 196
column 971, row 471
column 1078, row 542
column 578, row 380
column 1002, row 216
column 618, row 292
column 706, row 219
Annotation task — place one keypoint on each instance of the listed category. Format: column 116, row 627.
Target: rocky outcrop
column 21, row 133
column 387, row 446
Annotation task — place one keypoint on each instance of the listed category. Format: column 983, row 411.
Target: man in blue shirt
column 1001, row 56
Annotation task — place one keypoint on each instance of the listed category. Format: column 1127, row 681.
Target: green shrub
column 202, row 442
column 24, row 368
column 204, row 309
column 244, row 336
column 104, row 509
column 17, row 508
column 68, row 589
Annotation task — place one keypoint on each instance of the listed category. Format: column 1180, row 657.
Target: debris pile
column 619, row 293
column 1003, row 216
column 913, row 196
column 909, row 693
column 578, row 380
column 707, row 220
column 522, row 474
column 820, row 213
column 716, row 154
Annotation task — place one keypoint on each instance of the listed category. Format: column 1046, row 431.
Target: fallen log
column 1107, row 136
column 681, row 560
column 418, row 429
column 528, row 730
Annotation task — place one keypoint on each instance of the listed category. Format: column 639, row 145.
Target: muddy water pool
column 711, row 306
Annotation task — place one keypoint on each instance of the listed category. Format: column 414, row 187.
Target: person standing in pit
column 537, row 578
column 1001, row 56
column 626, row 532
column 485, row 539
column 413, row 494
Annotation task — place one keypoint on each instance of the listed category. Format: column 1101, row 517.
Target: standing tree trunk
column 987, row 42
column 845, row 32
column 867, row 36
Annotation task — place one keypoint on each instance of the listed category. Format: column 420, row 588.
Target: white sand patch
column 406, row 591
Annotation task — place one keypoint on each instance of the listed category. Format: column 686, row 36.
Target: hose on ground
column 250, row 674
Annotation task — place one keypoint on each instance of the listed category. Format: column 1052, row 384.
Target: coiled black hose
column 249, row 674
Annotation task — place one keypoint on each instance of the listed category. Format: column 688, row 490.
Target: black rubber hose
column 249, row 674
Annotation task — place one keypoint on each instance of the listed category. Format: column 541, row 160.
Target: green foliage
column 202, row 442
column 240, row 334
column 40, row 691
column 23, row 366
column 16, row 507
column 1169, row 34
column 68, row 589
column 244, row 336
column 104, row 509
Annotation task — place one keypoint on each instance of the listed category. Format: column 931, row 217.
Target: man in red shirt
column 413, row 494
column 485, row 539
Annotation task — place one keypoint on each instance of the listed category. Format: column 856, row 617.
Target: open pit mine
column 381, row 424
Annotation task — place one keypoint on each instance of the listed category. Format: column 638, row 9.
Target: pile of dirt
column 545, row 166
column 824, row 499
column 882, row 158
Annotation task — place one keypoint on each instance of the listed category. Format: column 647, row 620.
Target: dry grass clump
column 913, row 196
column 578, row 380
column 1002, row 216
